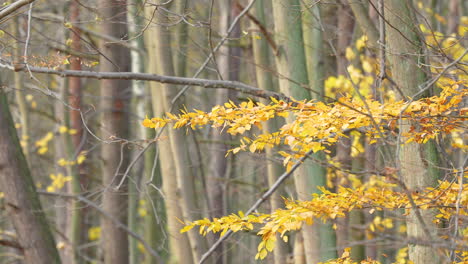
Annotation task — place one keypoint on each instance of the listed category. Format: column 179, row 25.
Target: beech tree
column 233, row 131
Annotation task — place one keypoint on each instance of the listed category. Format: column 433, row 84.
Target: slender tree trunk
column 314, row 50
column 174, row 144
column 361, row 14
column 343, row 146
column 218, row 163
column 454, row 16
column 416, row 160
column 291, row 63
column 21, row 200
column 180, row 40
column 265, row 81
column 356, row 217
column 138, row 106
column 60, row 145
column 299, row 256
column 74, row 144
column 185, row 182
column 114, row 102
column 216, row 186
column 20, row 99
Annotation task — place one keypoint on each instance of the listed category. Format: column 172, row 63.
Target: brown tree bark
column 21, row 200
column 73, row 142
column 114, row 103
column 343, row 146
column 227, row 68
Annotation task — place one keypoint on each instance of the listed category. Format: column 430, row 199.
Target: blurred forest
column 124, row 123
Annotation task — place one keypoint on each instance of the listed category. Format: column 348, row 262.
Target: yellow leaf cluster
column 79, row 160
column 377, row 193
column 58, row 181
column 43, row 143
column 317, row 125
column 94, row 233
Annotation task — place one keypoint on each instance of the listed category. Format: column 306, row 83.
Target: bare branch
column 107, row 215
column 254, row 207
column 205, row 83
column 13, row 7
column 11, row 243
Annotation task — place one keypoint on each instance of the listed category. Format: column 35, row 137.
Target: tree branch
column 107, row 215
column 206, row 83
column 11, row 243
column 254, row 207
column 13, row 7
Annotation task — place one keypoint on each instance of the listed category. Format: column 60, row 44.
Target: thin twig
column 110, row 217
column 254, row 207
column 457, row 204
column 220, row 43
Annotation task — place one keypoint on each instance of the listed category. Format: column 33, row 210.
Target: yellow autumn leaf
column 80, row 159
column 63, row 129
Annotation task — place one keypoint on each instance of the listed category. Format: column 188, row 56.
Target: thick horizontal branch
column 205, row 83
column 11, row 243
column 13, row 7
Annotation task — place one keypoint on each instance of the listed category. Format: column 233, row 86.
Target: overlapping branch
column 205, row 83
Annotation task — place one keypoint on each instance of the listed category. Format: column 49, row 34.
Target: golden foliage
column 376, row 194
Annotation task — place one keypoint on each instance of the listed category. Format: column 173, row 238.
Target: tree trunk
column 73, row 142
column 314, row 50
column 364, row 21
column 416, row 160
column 185, row 181
column 21, row 200
column 265, row 81
column 216, row 187
column 114, row 103
column 20, row 98
column 180, row 247
column 291, row 64
column 138, row 107
column 343, row 146
column 180, row 40
column 453, row 17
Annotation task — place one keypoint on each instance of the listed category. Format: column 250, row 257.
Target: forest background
column 285, row 131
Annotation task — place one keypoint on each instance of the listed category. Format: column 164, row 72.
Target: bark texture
column 265, row 81
column 291, row 65
column 416, row 160
column 76, row 220
column 114, row 103
column 179, row 244
column 21, row 200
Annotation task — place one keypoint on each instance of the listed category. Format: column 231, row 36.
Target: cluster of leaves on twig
column 376, row 194
column 317, row 125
